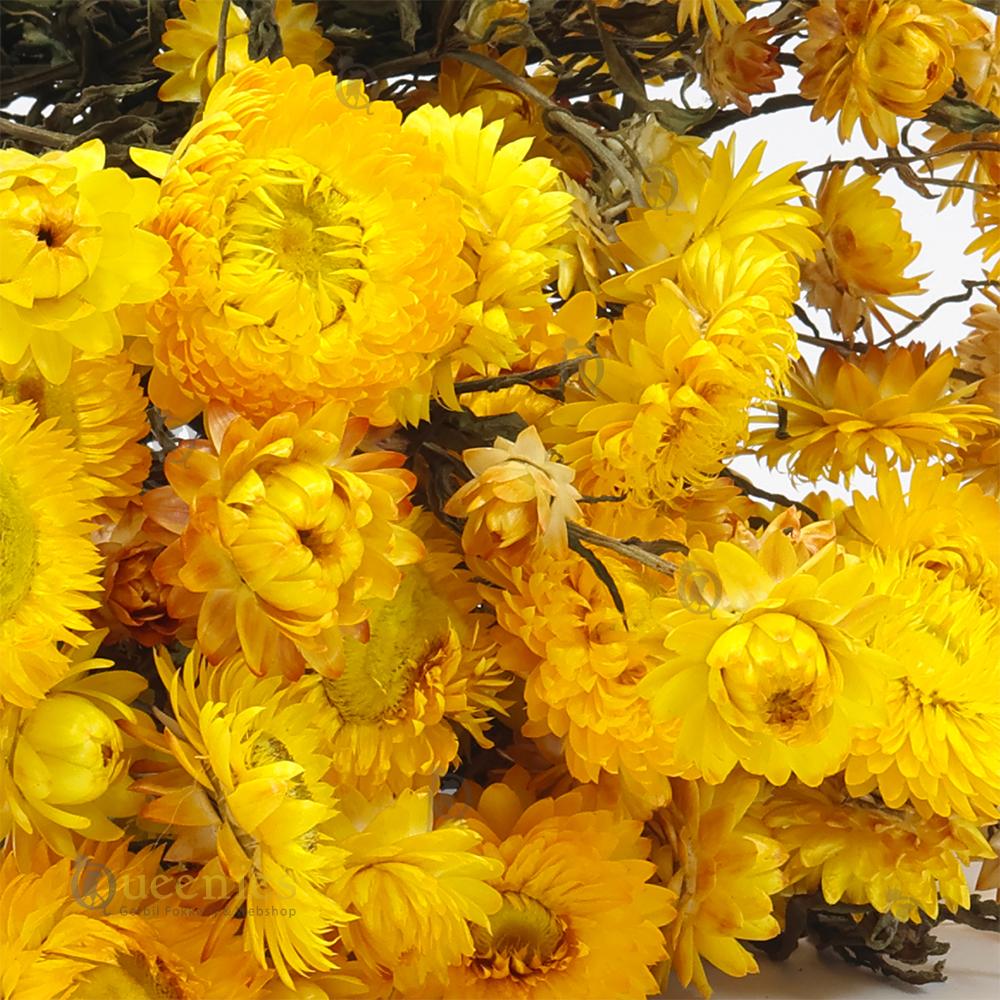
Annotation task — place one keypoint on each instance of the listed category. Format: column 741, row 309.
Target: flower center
column 409, row 636
column 134, row 977
column 771, row 675
column 18, row 547
column 294, row 248
column 525, row 939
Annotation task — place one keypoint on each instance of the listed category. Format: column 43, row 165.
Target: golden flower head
column 48, row 564
column 287, row 534
column 871, row 60
column 739, row 63
column 191, row 43
column 72, row 250
column 423, row 671
column 518, row 500
column 64, row 763
column 581, row 666
column 315, row 252
column 979, row 351
column 938, row 745
column 979, row 461
column 859, row 271
column 883, row 408
column 102, row 406
column 723, row 868
column 578, row 915
column 89, row 928
column 766, row 661
column 858, row 851
column 244, row 795
column 692, row 10
column 419, row 894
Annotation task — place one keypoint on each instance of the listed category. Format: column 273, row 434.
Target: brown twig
column 755, row 491
column 220, row 44
column 970, row 287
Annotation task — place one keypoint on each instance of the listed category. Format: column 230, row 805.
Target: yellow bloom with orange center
column 48, row 567
column 858, row 851
column 64, row 763
column 859, row 271
column 938, row 746
column 244, row 796
column 880, row 409
column 723, row 868
column 579, row 916
column 581, row 664
column 102, row 406
column 710, row 196
column 80, row 928
column 740, row 62
column 871, row 60
column 766, row 664
column 424, row 670
column 518, row 501
column 419, row 894
column 287, row 535
column 315, row 252
column 191, row 44
column 72, row 250
column 672, row 387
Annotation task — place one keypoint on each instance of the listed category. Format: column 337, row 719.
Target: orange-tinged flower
column 287, row 535
column 102, row 406
column 859, row 851
column 979, row 352
column 871, row 60
column 72, row 251
column 136, row 604
column 859, row 271
column 578, row 915
column 723, row 868
column 692, row 10
column 494, row 20
column 518, row 500
column 191, row 43
column 739, row 62
column 873, row 411
column 315, row 252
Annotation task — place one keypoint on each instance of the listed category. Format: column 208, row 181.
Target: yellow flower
column 64, row 763
column 766, row 663
column 875, row 59
column 425, row 669
column 418, row 894
column 987, row 215
column 47, row 565
column 979, row 462
column 515, row 215
column 671, row 391
column 78, row 928
column 287, row 535
column 710, row 196
column 578, row 915
column 939, row 744
column 723, row 868
column 102, row 406
column 582, row 665
column 979, row 352
column 691, row 10
column 494, row 20
column 72, row 251
column 936, row 523
column 873, row 411
column 977, row 63
column 315, row 252
column 191, row 44
column 859, row 271
column 518, row 501
column 460, row 87
column 739, row 62
column 858, row 851
column 244, row 796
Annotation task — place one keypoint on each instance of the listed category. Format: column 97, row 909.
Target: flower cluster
column 380, row 611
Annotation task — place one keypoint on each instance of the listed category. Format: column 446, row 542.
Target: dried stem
column 220, row 45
